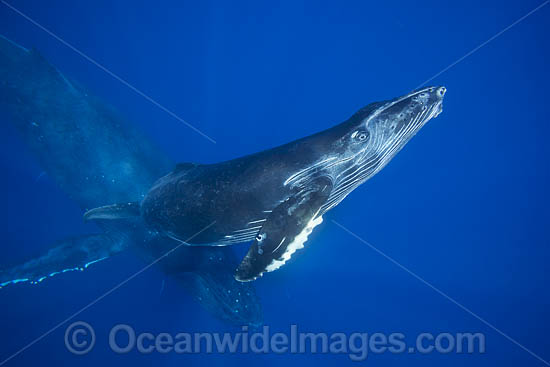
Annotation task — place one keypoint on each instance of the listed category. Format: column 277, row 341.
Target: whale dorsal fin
column 185, row 166
column 115, row 211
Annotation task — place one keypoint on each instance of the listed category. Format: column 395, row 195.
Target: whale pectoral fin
column 76, row 253
column 285, row 231
column 115, row 211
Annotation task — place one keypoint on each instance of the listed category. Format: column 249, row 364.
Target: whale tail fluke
column 115, row 211
column 72, row 254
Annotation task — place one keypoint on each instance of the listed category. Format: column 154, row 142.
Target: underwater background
column 464, row 206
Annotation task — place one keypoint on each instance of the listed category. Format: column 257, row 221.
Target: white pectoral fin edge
column 296, row 244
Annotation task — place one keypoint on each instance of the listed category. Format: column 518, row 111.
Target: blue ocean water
column 462, row 210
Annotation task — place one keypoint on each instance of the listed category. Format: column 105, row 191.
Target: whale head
column 377, row 132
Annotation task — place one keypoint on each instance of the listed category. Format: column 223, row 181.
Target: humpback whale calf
column 95, row 156
column 276, row 197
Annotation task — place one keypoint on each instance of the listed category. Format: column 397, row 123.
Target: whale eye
column 260, row 237
column 360, row 135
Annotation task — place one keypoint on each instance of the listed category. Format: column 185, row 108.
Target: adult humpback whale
column 276, row 197
column 94, row 155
